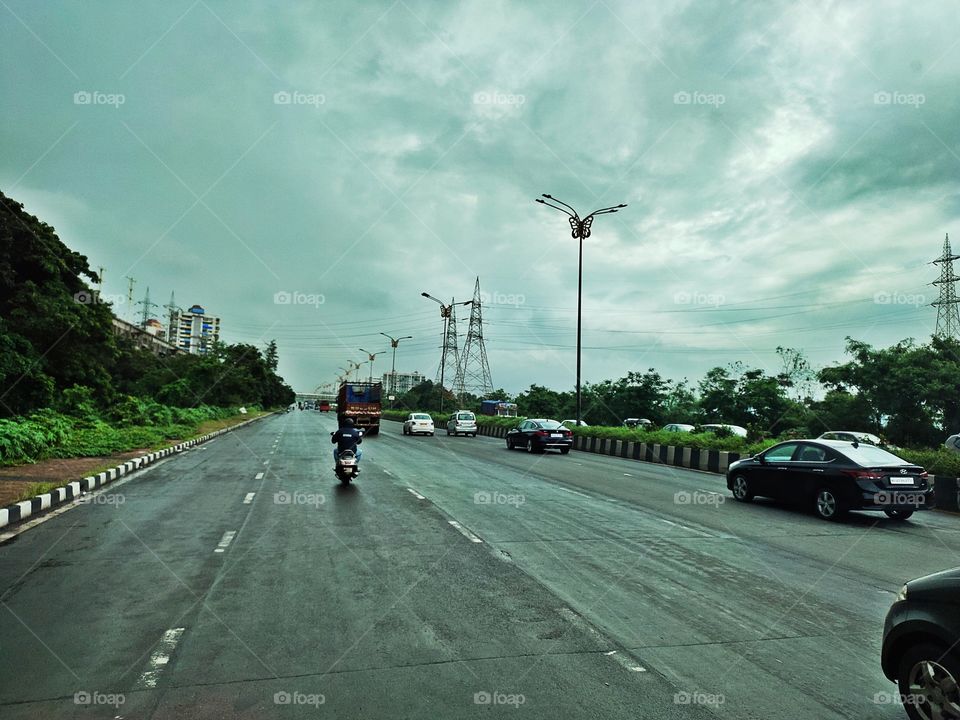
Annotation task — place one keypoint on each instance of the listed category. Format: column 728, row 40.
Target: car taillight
column 542, row 433
column 567, row 433
column 862, row 475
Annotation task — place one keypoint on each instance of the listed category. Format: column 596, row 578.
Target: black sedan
column 538, row 435
column 921, row 646
column 832, row 477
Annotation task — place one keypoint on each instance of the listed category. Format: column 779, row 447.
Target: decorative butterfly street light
column 580, row 229
column 370, row 358
column 393, row 369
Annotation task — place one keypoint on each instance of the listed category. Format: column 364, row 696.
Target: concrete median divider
column 27, row 508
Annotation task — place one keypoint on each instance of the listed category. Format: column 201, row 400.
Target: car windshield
column 465, row 416
column 421, row 416
column 872, row 456
column 550, row 425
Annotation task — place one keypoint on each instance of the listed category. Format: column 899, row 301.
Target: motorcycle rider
column 347, row 437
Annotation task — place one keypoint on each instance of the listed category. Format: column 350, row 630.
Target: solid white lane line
column 626, row 662
column 575, row 492
column 160, row 657
column 259, row 476
column 225, row 540
column 463, row 531
column 417, row 495
column 248, row 499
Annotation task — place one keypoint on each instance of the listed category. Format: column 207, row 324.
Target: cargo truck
column 360, row 401
column 498, row 408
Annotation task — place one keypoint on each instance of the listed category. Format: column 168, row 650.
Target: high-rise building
column 399, row 383
column 194, row 331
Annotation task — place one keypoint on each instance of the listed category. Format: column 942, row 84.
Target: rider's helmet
column 348, row 422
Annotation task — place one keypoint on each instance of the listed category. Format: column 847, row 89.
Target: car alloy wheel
column 929, row 677
column 828, row 504
column 741, row 489
column 529, row 446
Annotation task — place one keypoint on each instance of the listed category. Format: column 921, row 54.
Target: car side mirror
column 761, row 459
column 332, row 434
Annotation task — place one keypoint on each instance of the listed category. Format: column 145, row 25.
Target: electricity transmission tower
column 948, row 317
column 147, row 312
column 449, row 353
column 473, row 372
column 172, row 310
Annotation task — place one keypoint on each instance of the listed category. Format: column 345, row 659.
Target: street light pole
column 393, row 367
column 371, row 357
column 445, row 311
column 580, row 229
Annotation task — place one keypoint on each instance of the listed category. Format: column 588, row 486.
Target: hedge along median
column 73, row 490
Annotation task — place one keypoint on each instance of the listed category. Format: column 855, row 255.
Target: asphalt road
column 455, row 579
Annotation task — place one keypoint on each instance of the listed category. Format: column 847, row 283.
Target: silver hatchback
column 462, row 422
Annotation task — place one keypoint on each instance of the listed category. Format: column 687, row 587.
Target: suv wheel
column 928, row 676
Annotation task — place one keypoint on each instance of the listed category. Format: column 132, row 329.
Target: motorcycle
column 347, row 468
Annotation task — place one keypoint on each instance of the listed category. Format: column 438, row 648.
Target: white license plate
column 902, row 480
column 555, row 435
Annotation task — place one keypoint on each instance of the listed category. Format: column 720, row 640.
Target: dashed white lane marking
column 271, row 452
column 160, row 658
column 581, row 624
column 575, row 492
column 259, row 476
column 417, row 495
column 266, row 462
column 225, row 540
column 627, row 475
column 463, row 531
column 248, row 499
column 387, row 472
column 626, row 662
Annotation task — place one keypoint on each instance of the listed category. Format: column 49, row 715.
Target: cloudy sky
column 790, row 169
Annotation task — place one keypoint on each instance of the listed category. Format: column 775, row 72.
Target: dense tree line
column 909, row 393
column 57, row 341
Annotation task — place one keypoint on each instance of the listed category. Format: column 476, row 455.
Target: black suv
column 921, row 646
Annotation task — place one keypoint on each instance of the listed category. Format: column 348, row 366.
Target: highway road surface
column 455, row 579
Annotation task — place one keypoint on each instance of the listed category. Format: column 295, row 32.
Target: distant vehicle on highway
column 679, row 427
column 637, row 423
column 573, row 423
column 417, row 423
column 498, row 408
column 324, row 406
column 921, row 635
column 360, row 401
column 539, row 435
column 832, row 477
column 852, row 436
column 462, row 422
column 735, row 429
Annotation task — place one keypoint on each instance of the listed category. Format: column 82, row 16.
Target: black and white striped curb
column 27, row 508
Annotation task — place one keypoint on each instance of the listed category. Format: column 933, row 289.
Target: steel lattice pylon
column 473, row 372
column 948, row 316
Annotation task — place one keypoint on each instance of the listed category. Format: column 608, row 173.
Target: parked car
column 539, row 435
column 637, row 422
column 953, row 443
column 920, row 653
column 735, row 429
column 679, row 427
column 833, row 477
column 462, row 422
column 852, row 436
column 418, row 423
column 573, row 423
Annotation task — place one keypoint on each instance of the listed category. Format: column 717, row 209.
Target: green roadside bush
column 133, row 423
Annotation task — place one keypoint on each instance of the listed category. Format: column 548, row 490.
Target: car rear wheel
column 928, row 678
column 898, row 514
column 564, row 451
column 828, row 505
column 741, row 489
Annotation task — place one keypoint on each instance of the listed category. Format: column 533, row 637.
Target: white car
column 735, row 429
column 569, row 424
column 852, row 436
column 953, row 442
column 679, row 427
column 462, row 422
column 418, row 423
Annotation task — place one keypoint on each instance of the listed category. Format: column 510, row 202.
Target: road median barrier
column 71, row 491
